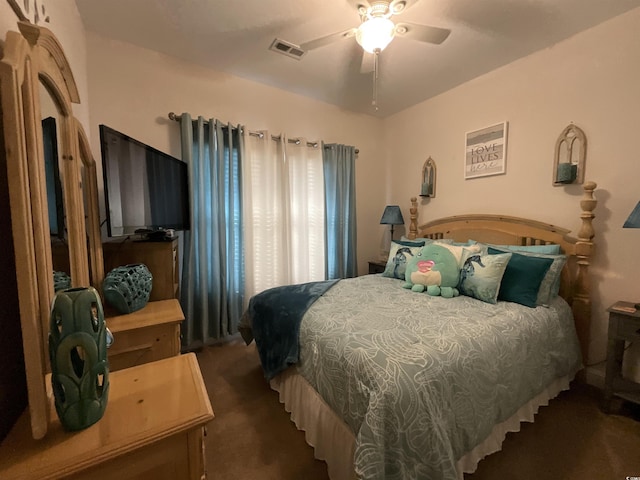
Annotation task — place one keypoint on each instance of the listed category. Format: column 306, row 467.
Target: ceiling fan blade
column 367, row 62
column 422, row 33
column 327, row 39
column 401, row 6
column 356, row 4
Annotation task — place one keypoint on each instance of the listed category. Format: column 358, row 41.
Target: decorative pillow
column 550, row 285
column 522, row 277
column 550, row 249
column 399, row 254
column 458, row 244
column 459, row 251
column 481, row 275
column 421, row 239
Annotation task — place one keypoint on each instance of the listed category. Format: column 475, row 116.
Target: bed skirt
column 334, row 443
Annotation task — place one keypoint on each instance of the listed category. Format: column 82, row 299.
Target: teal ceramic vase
column 78, row 354
column 128, row 288
column 61, row 281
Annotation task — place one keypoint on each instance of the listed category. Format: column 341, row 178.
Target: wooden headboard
column 506, row 230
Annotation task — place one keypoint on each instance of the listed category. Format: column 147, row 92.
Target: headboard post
column 413, row 225
column 581, row 304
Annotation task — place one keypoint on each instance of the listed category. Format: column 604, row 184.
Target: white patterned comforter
column 422, row 380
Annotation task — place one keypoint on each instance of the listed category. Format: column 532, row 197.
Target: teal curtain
column 212, row 287
column 340, row 211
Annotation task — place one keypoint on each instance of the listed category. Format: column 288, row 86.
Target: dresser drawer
column 143, row 345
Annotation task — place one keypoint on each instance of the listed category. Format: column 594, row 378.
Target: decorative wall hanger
column 428, row 188
column 570, row 155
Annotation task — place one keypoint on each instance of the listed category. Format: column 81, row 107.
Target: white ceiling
column 234, row 36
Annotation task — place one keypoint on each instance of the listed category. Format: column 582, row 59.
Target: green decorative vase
column 128, row 288
column 78, row 354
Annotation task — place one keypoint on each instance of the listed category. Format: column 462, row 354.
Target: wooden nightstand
column 624, row 325
column 376, row 266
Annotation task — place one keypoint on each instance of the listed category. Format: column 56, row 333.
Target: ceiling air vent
column 287, row 48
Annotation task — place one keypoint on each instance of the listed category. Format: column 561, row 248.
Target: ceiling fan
column 375, row 32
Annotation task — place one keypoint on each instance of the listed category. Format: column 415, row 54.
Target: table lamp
column 633, row 221
column 634, row 218
column 392, row 216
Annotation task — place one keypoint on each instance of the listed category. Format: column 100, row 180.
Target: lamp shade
column 634, row 219
column 392, row 216
column 375, row 34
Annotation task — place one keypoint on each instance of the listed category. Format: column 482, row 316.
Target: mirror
column 34, row 60
column 55, row 200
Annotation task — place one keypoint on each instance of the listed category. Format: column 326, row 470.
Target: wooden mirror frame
column 31, row 57
column 92, row 227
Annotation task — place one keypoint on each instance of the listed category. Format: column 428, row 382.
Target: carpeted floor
column 252, row 436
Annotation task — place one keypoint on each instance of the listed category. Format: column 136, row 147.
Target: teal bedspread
column 422, row 380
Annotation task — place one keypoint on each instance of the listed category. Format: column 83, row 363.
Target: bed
column 391, row 384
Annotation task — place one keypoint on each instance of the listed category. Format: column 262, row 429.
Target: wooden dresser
column 149, row 334
column 153, row 428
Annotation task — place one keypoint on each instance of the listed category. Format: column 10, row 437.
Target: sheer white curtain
column 283, row 212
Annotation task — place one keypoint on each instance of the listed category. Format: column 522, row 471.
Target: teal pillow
column 522, row 278
column 399, row 254
column 481, row 275
column 550, row 285
column 422, row 239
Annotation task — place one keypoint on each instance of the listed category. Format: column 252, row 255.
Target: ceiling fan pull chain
column 374, row 102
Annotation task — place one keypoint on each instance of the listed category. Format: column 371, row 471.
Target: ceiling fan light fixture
column 375, row 34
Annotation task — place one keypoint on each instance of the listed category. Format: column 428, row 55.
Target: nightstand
column 624, row 326
column 377, row 266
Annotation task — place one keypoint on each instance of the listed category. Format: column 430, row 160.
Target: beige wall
column 133, row 90
column 593, row 80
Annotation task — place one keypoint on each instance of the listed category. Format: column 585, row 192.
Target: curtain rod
column 173, row 116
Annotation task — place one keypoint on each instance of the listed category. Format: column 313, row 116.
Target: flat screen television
column 145, row 189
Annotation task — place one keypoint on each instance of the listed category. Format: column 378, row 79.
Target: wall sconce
column 392, row 216
column 570, row 155
column 428, row 187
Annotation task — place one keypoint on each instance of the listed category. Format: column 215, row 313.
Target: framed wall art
column 486, row 151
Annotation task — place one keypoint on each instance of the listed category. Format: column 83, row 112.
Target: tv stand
column 157, row 236
column 161, row 258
